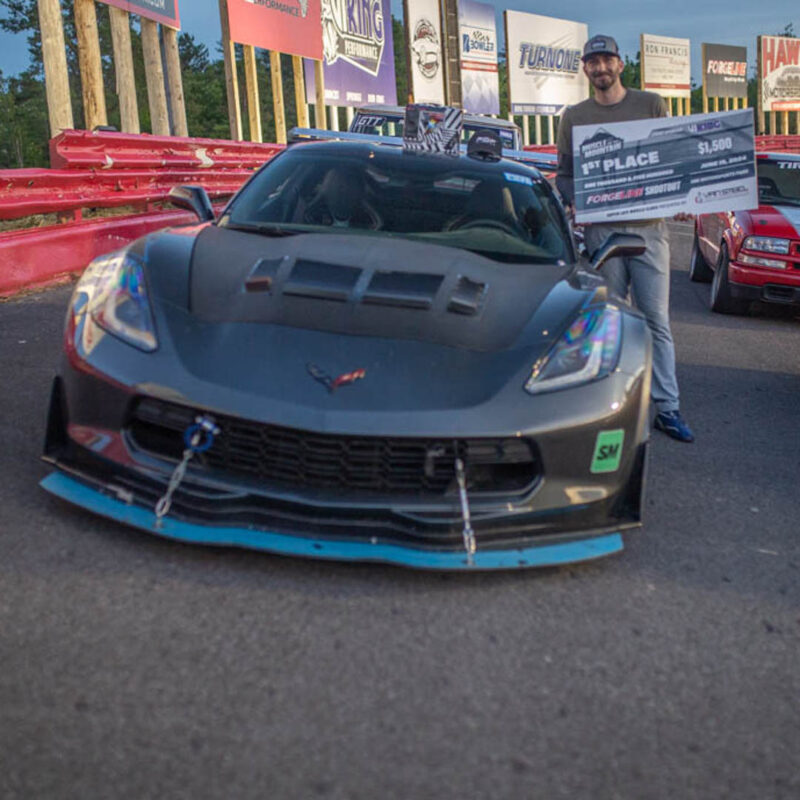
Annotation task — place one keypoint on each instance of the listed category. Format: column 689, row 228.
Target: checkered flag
column 433, row 129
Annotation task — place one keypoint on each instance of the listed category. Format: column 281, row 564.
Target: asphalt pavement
column 132, row 667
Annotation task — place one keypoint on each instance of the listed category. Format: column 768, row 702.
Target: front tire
column 699, row 270
column 722, row 301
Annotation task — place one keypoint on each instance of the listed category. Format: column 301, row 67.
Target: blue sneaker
column 674, row 425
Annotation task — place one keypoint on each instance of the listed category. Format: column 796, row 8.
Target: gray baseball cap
column 600, row 44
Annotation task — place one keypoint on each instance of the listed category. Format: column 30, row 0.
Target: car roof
column 777, row 156
column 489, row 122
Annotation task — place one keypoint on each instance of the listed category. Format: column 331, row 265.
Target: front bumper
column 766, row 285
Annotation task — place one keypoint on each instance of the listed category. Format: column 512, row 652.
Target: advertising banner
column 163, row 11
column 545, row 73
column 666, row 66
column 779, row 73
column 477, row 44
column 358, row 59
column 286, row 26
column 423, row 22
column 725, row 70
column 659, row 167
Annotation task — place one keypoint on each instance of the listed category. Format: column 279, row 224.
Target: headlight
column 119, row 301
column 766, row 244
column 755, row 261
column 588, row 350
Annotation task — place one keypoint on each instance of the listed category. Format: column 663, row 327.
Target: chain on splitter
column 468, row 534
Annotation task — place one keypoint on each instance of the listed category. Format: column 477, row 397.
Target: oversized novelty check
column 646, row 169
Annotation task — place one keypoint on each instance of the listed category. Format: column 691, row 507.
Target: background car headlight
column 766, row 244
column 119, row 301
column 589, row 349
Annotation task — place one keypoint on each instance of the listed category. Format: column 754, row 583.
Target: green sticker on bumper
column 608, row 451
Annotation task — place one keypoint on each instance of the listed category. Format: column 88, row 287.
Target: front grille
column 280, row 456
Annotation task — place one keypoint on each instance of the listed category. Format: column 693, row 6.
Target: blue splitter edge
column 547, row 555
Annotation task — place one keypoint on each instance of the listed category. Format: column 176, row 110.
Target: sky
column 712, row 21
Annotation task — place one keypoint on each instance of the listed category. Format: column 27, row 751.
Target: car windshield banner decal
column 725, row 70
column 163, row 11
column 653, row 168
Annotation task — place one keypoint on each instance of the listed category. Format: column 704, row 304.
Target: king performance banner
column 163, row 11
column 358, row 54
column 286, row 26
column 725, row 70
column 480, row 87
column 779, row 73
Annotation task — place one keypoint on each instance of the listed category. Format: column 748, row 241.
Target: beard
column 603, row 80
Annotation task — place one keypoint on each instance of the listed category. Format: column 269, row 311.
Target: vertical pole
column 550, row 137
column 319, row 106
column 94, row 98
column 349, row 114
column 727, row 103
column 716, row 104
column 705, row 77
column 231, row 77
column 538, row 125
column 123, row 68
column 526, row 130
column 154, row 72
column 175, row 81
column 277, row 96
column 54, row 55
column 773, row 122
column 785, row 123
column 300, row 92
column 253, row 99
column 760, row 100
column 334, row 118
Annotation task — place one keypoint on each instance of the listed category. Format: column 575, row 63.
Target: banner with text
column 286, row 26
column 423, row 21
column 163, row 11
column 477, row 37
column 358, row 54
column 545, row 73
column 725, row 70
column 779, row 73
column 666, row 66
column 655, row 168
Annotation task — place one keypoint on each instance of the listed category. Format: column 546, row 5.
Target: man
column 647, row 275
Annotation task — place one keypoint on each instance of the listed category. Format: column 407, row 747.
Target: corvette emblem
column 332, row 383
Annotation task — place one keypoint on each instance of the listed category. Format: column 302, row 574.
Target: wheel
column 722, row 300
column 699, row 270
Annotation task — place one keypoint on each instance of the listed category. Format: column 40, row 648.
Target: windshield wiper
column 263, row 228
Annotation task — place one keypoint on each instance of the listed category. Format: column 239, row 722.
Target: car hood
column 782, row 221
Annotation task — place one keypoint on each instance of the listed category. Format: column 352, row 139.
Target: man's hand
column 683, row 217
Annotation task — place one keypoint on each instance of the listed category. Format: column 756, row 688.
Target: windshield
column 502, row 211
column 779, row 181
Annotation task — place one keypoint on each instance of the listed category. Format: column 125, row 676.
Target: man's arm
column 564, row 175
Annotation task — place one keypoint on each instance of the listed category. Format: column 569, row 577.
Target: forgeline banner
column 163, row 11
column 423, row 20
column 545, row 73
column 286, row 26
column 652, row 168
column 666, row 66
column 477, row 44
column 779, row 73
column 358, row 54
column 725, row 70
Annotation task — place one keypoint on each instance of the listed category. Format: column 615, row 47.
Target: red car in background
column 754, row 255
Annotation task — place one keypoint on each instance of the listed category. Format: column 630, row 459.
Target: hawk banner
column 653, row 168
column 477, row 37
column 425, row 51
column 358, row 60
column 545, row 73
column 725, row 70
column 286, row 26
column 666, row 67
column 779, row 73
column 163, row 11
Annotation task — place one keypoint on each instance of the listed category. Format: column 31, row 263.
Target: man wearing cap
column 647, row 275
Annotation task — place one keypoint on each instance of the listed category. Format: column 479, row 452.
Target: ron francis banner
column 653, row 168
column 286, row 26
column 725, row 70
column 163, row 11
column 666, row 66
column 425, row 51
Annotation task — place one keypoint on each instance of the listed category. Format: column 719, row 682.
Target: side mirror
column 193, row 198
column 618, row 244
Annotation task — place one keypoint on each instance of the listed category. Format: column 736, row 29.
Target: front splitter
column 544, row 555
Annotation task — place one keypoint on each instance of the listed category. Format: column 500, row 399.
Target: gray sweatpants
column 647, row 276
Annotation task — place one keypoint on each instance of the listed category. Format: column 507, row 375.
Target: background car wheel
column 721, row 299
column 699, row 270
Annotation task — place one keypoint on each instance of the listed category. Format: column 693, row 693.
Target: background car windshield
column 499, row 210
column 779, row 181
column 387, row 125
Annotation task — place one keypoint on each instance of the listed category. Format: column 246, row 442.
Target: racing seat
column 340, row 202
column 490, row 200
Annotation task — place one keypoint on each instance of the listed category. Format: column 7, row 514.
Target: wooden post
column 54, row 55
column 537, row 121
column 123, row 67
column 277, row 96
column 716, row 104
column 773, row 122
column 231, row 77
column 334, row 118
column 154, row 72
column 705, row 85
column 760, row 100
column 300, row 92
column 94, row 98
column 348, row 115
column 785, row 123
column 253, row 99
column 319, row 106
column 526, row 130
column 175, row 81
column 550, row 136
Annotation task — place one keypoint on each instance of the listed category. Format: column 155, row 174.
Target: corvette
column 371, row 355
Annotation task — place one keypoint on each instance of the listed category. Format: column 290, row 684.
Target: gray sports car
column 371, row 355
